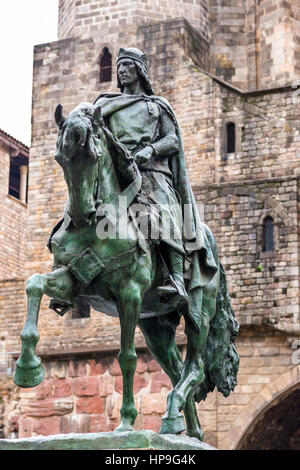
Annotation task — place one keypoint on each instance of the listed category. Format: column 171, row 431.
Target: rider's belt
column 86, row 266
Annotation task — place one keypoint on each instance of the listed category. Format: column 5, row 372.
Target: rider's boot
column 175, row 287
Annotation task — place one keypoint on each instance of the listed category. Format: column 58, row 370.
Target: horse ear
column 58, row 116
column 97, row 116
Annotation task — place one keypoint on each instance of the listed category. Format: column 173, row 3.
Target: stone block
column 158, row 381
column 75, row 424
column 153, row 366
column 152, row 422
column 90, row 405
column 114, row 368
column 44, row 389
column 49, row 407
column 62, row 388
column 76, row 368
column 98, row 423
column 153, row 403
column 105, row 385
column 86, row 386
column 47, row 426
column 139, row 382
column 97, row 367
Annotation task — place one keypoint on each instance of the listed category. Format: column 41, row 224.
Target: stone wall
column 12, row 224
column 264, row 286
column 12, row 310
column 234, row 191
column 84, row 394
column 89, row 18
column 278, row 41
column 228, row 58
column 251, row 44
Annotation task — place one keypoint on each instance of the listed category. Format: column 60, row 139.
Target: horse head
column 78, row 150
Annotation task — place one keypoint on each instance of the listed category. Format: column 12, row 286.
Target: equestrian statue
column 131, row 243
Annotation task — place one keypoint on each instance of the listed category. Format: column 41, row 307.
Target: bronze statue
column 124, row 165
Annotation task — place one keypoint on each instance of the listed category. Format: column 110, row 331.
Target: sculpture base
column 133, row 440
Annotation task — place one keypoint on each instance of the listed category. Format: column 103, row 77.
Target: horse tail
column 220, row 358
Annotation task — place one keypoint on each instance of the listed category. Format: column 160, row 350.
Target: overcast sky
column 23, row 23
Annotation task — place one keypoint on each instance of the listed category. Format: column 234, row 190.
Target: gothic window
column 81, row 309
column 14, row 178
column 230, row 131
column 105, row 66
column 268, row 234
column 18, row 174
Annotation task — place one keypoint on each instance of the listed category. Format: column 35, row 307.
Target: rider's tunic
column 138, row 126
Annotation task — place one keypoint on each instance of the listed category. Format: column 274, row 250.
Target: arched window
column 105, row 66
column 230, row 131
column 268, row 234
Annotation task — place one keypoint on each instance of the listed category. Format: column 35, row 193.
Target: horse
column 119, row 276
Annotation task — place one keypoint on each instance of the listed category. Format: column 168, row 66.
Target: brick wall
column 12, row 225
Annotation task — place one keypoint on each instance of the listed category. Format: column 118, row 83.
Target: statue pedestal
column 134, row 440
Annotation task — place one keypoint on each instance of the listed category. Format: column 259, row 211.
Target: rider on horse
column 146, row 125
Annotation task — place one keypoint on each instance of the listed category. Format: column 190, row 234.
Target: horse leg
column 129, row 305
column 29, row 370
column 164, row 349
column 192, row 374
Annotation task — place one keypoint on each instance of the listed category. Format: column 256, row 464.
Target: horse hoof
column 27, row 378
column 124, row 428
column 172, row 425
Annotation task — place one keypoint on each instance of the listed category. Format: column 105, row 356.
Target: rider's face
column 127, row 72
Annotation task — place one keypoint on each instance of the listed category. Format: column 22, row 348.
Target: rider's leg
column 58, row 284
column 176, row 266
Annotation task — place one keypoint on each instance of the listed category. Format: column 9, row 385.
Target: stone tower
column 254, row 43
column 228, row 68
column 115, row 18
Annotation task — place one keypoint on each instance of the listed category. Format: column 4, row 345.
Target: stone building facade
column 230, row 70
column 13, row 212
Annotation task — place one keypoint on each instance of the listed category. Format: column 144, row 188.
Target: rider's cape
column 200, row 265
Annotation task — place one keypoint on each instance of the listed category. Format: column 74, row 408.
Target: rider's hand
column 143, row 155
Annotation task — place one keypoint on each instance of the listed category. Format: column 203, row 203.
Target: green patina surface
column 106, row 441
column 128, row 146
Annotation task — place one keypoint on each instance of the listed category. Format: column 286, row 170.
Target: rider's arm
column 165, row 146
column 168, row 143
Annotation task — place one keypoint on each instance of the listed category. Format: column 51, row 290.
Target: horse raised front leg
column 29, row 370
column 58, row 284
column 129, row 305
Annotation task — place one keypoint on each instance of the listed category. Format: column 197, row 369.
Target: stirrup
column 175, row 287
column 168, row 289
